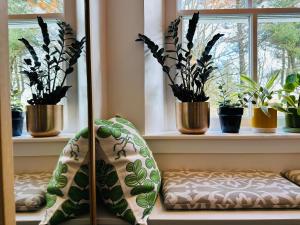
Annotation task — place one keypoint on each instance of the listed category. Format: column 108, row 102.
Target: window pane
column 278, row 47
column 231, row 53
column 17, row 52
column 35, row 6
column 276, row 3
column 212, row 4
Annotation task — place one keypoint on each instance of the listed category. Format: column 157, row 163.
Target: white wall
column 125, row 60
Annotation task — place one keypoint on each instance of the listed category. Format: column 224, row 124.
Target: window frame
column 71, row 107
column 173, row 11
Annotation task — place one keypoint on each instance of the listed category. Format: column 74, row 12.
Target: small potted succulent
column 231, row 109
column 47, row 74
column 264, row 116
column 17, row 113
column 290, row 103
column 187, row 76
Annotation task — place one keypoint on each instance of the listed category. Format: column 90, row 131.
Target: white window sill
column 214, row 142
column 63, row 137
column 245, row 134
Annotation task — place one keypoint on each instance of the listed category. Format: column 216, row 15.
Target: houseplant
column 187, row 78
column 290, row 103
column 17, row 113
column 264, row 117
column 47, row 74
column 231, row 109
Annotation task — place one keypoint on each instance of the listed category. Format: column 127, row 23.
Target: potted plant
column 187, row 78
column 290, row 103
column 16, row 113
column 47, row 74
column 231, row 109
column 264, row 117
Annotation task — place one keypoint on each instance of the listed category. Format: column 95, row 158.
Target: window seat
column 161, row 216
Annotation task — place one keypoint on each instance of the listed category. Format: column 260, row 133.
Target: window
column 22, row 23
column 261, row 37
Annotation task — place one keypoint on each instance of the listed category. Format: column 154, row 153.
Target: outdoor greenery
column 47, row 72
column 16, row 104
column 188, row 79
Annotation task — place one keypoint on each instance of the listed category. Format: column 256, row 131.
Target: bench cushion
column 30, row 191
column 292, row 175
column 228, row 190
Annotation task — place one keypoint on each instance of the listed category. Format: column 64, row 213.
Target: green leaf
column 111, row 179
column 120, row 207
column 141, row 175
column 137, row 166
column 69, row 207
column 129, row 217
column 138, row 141
column 50, row 200
column 54, row 190
column 298, row 111
column 130, row 167
column 61, row 181
column 142, row 200
column 116, row 132
column 154, row 176
column 150, row 163
column 147, row 212
column 76, row 194
column 142, row 189
column 84, row 133
column 57, row 218
column 271, row 81
column 104, row 132
column 145, row 152
column 81, row 179
column 131, row 180
column 116, row 193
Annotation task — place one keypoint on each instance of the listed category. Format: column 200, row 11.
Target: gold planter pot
column 44, row 120
column 262, row 123
column 192, row 117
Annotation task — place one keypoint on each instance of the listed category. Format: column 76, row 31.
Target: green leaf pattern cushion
column 128, row 179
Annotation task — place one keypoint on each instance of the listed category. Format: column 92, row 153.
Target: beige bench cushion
column 292, row 175
column 30, row 190
column 228, row 190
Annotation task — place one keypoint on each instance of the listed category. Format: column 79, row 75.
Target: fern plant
column 47, row 73
column 187, row 79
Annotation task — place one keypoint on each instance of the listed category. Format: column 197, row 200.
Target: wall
column 125, row 60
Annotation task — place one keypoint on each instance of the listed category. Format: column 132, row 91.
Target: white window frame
column 71, row 107
column 173, row 11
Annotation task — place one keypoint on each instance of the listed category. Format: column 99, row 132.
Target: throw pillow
column 128, row 179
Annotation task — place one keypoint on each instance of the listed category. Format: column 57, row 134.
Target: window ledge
column 63, row 137
column 218, row 135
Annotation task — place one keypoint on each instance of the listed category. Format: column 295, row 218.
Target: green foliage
column 15, row 101
column 47, row 74
column 229, row 98
column 193, row 76
column 257, row 94
column 290, row 95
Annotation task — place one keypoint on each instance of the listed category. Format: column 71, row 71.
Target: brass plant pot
column 44, row 120
column 192, row 117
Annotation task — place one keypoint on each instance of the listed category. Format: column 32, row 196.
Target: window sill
column 245, row 134
column 29, row 139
